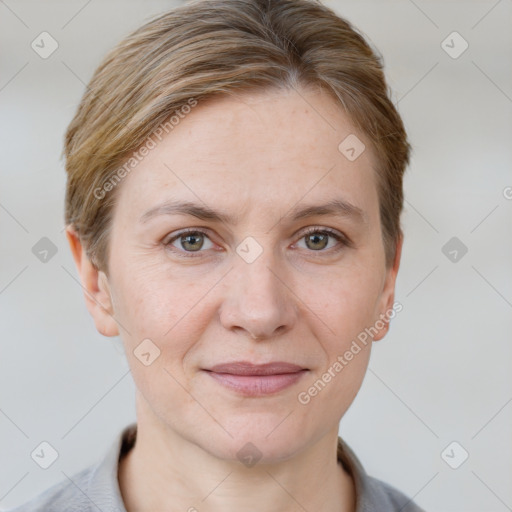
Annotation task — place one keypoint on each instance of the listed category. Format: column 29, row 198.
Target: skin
column 257, row 156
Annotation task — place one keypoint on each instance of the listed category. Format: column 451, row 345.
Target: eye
column 317, row 239
column 189, row 241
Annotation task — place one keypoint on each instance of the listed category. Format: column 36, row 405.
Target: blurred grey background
column 442, row 375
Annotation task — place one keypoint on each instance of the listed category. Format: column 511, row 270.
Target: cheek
column 349, row 307
column 348, row 303
column 347, row 383
column 173, row 314
column 156, row 304
column 330, row 392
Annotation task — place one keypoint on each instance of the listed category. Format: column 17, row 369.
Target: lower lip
column 257, row 385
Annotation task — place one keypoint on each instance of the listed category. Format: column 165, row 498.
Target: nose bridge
column 258, row 301
column 258, row 279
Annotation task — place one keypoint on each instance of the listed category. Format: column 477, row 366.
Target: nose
column 259, row 300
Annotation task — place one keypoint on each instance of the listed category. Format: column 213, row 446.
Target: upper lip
column 247, row 368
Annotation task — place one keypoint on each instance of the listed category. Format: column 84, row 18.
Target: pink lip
column 256, row 380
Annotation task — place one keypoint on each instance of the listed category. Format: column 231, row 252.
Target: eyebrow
column 339, row 207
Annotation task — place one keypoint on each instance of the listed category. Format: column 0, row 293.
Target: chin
column 257, row 441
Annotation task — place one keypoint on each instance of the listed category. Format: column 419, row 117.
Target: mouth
column 256, row 380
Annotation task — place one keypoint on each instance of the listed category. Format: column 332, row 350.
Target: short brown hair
column 209, row 47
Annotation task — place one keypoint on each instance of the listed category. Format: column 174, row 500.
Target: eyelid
column 330, row 231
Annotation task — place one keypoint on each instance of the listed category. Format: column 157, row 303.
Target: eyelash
column 342, row 239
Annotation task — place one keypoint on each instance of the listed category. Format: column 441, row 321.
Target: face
column 249, row 279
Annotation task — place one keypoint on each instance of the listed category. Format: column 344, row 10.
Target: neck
column 161, row 473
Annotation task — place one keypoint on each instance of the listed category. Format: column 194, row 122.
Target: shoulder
column 388, row 498
column 372, row 494
column 94, row 488
column 68, row 495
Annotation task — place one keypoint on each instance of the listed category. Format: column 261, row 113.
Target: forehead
column 256, row 150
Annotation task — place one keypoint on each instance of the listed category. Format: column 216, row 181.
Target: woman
column 233, row 208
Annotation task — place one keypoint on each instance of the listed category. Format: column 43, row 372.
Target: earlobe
column 95, row 285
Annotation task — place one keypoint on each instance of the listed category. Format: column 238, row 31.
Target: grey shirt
column 96, row 488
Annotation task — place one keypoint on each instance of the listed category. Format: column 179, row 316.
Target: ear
column 388, row 292
column 96, row 288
